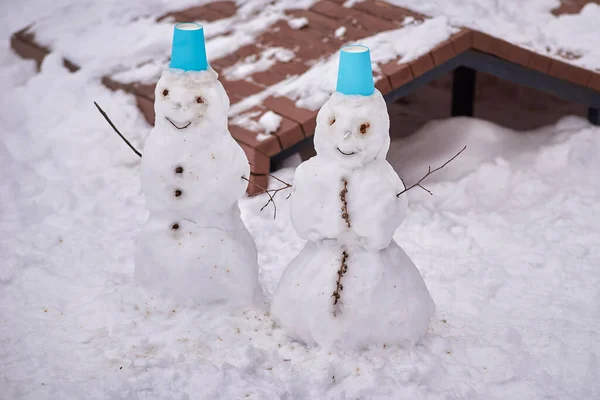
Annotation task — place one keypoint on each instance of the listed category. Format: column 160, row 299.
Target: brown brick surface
column 421, row 65
column 327, row 26
column 481, row 41
column 258, row 182
column 240, row 89
column 268, row 147
column 462, row 40
column 289, row 133
column 382, row 83
column 146, row 107
column 286, row 107
column 594, row 81
column 442, row 52
column 539, row 62
column 500, row 48
column 356, row 18
column 519, row 55
column 398, row 74
column 225, row 8
column 259, row 163
column 569, row 72
column 387, row 11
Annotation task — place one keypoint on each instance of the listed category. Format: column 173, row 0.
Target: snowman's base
column 199, row 265
column 384, row 300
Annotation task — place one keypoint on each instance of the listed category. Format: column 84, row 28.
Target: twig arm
column 429, row 172
column 116, row 130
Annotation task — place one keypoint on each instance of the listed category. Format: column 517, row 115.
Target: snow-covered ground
column 508, row 247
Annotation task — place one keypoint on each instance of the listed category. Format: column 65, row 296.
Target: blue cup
column 355, row 75
column 189, row 50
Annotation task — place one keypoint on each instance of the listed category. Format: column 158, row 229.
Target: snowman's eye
column 199, row 100
column 166, row 92
column 331, row 121
column 363, row 127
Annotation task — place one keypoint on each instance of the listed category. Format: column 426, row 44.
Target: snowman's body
column 344, row 203
column 195, row 245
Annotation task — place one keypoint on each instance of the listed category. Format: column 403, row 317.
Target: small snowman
column 194, row 246
column 351, row 286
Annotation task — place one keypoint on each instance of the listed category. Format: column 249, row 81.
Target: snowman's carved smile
column 178, row 127
column 346, row 154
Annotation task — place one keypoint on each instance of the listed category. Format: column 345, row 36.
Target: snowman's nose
column 176, row 106
column 347, row 134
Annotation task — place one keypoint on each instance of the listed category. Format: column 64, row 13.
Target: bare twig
column 343, row 193
column 271, row 192
column 340, row 273
column 429, row 172
column 116, row 130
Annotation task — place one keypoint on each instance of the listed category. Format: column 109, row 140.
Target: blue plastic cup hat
column 189, row 50
column 355, row 75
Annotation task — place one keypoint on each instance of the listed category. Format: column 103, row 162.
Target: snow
column 270, row 121
column 313, row 88
column 507, row 247
column 340, row 32
column 298, row 23
column 529, row 24
column 258, row 63
column 194, row 247
column 351, row 286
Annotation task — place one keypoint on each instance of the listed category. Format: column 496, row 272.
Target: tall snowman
column 194, row 246
column 351, row 285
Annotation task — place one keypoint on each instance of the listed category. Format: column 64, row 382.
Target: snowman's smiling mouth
column 178, row 127
column 346, row 154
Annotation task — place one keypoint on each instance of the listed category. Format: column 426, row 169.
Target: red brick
column 500, row 48
column 146, row 107
column 398, row 74
column 569, row 72
column 387, row 11
column 258, row 184
column 382, row 83
column 462, row 41
column 201, row 13
column 481, row 41
column 259, row 163
column 328, row 26
column 539, row 62
column 442, row 52
column 289, row 133
column 240, row 89
column 268, row 147
column 519, row 55
column 356, row 18
column 594, row 82
column 421, row 65
column 286, row 107
column 225, row 8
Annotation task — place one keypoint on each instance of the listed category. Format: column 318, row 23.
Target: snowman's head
column 353, row 130
column 184, row 100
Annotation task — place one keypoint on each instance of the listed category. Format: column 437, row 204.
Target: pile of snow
column 508, row 252
column 507, row 247
column 298, row 23
column 529, row 24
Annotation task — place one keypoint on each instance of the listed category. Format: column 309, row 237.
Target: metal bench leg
column 594, row 116
column 463, row 91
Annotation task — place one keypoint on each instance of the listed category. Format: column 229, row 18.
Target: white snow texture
column 194, row 246
column 351, row 286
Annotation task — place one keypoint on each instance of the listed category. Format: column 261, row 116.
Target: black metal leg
column 594, row 116
column 463, row 91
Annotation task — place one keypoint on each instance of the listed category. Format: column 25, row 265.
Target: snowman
column 194, row 246
column 351, row 285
